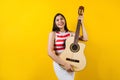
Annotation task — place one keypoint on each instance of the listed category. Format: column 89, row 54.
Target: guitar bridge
column 72, row 60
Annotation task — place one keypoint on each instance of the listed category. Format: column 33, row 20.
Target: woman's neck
column 62, row 30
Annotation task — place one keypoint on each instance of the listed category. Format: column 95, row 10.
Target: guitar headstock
column 80, row 10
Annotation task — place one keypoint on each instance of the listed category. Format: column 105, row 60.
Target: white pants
column 61, row 73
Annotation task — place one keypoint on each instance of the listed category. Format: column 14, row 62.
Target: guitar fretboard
column 77, row 32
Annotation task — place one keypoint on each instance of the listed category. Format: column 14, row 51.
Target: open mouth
column 61, row 24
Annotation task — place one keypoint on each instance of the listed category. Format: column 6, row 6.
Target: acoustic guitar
column 74, row 50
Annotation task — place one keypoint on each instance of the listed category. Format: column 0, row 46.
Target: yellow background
column 24, row 29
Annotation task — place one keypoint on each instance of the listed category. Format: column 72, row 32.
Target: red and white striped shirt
column 60, row 38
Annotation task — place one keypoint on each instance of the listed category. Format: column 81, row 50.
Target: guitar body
column 74, row 54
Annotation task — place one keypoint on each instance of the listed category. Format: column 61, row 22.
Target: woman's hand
column 68, row 67
column 81, row 17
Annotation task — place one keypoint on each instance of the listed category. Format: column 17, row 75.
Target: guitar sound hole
column 74, row 47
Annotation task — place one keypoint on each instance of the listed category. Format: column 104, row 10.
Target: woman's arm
column 51, row 51
column 84, row 36
column 53, row 55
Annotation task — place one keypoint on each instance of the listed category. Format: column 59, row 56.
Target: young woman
column 57, row 37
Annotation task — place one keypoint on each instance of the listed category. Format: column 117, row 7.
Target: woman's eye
column 61, row 18
column 57, row 20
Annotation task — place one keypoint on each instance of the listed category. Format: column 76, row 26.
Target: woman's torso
column 60, row 38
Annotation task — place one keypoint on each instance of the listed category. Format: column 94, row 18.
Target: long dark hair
column 55, row 28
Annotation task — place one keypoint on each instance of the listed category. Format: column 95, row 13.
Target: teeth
column 61, row 24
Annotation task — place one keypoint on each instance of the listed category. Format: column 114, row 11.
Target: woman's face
column 60, row 22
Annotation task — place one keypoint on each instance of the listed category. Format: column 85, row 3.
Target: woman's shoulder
column 52, row 33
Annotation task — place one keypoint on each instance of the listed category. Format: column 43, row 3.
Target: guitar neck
column 77, row 32
column 80, row 13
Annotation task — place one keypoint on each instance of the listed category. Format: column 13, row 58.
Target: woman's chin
column 61, row 27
